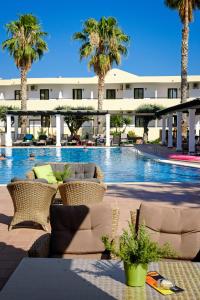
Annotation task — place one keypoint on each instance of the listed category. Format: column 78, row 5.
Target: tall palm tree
column 26, row 45
column 185, row 9
column 103, row 42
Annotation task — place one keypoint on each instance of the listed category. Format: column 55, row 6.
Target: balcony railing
column 91, row 99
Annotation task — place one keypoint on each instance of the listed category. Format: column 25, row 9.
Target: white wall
column 54, row 89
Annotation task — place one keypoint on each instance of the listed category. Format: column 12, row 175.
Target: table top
column 61, row 279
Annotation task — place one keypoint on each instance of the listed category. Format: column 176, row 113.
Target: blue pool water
column 118, row 165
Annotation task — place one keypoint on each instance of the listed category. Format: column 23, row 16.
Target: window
column 175, row 121
column 152, row 123
column 138, row 93
column 128, row 86
column 139, row 121
column 172, row 93
column 17, row 94
column 77, row 93
column 195, row 85
column 44, row 94
column 110, row 94
column 159, row 123
column 45, row 121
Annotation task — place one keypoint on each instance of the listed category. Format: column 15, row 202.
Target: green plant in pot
column 62, row 175
column 136, row 250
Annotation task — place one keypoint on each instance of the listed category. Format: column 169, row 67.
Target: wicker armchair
column 31, row 202
column 81, row 192
column 41, row 248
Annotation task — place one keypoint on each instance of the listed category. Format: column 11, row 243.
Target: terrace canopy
column 59, row 114
column 192, row 108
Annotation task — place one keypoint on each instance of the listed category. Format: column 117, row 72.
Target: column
column 16, row 126
column 179, row 132
column 61, row 126
column 197, row 125
column 156, row 94
column 133, row 120
column 60, row 95
column 170, row 124
column 8, row 132
column 58, row 130
column 107, row 130
column 192, row 112
column 92, row 95
column 163, row 130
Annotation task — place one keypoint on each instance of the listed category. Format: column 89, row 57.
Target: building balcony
column 126, row 104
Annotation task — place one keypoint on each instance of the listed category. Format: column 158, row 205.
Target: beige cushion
column 179, row 226
column 78, row 229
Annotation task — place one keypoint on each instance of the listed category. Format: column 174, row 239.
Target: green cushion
column 45, row 172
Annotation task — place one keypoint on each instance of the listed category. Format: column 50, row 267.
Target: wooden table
column 61, row 279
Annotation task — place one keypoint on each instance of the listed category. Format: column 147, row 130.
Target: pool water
column 118, row 164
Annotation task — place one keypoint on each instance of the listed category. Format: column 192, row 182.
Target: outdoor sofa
column 178, row 226
column 78, row 171
column 76, row 232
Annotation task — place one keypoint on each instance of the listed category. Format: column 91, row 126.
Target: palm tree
column 26, row 45
column 103, row 42
column 147, row 112
column 185, row 9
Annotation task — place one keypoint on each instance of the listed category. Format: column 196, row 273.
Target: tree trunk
column 145, row 134
column 184, row 65
column 24, row 119
column 101, row 81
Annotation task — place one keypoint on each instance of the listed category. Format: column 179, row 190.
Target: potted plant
column 62, row 175
column 132, row 136
column 136, row 250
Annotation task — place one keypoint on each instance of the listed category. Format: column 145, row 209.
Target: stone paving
column 15, row 243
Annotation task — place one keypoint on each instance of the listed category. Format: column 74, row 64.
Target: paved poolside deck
column 14, row 244
column 162, row 153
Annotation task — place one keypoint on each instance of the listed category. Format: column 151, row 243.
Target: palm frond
column 103, row 42
column 26, row 43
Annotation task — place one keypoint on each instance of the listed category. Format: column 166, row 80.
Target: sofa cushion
column 28, row 137
column 42, row 180
column 84, row 179
column 45, row 172
column 81, row 171
column 78, row 229
column 179, row 226
column 58, row 167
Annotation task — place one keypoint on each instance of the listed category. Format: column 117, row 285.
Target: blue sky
column 155, row 33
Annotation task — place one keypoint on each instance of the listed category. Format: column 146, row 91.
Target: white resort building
column 124, row 93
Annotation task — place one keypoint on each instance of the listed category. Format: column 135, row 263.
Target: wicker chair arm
column 103, row 185
column 98, row 173
column 115, row 221
column 134, row 218
column 30, row 175
column 115, row 224
column 40, row 247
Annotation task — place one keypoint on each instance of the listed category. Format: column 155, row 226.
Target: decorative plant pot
column 135, row 274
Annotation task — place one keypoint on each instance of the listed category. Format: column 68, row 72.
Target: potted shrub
column 132, row 136
column 136, row 250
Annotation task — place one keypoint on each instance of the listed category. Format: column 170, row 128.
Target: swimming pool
column 118, row 164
